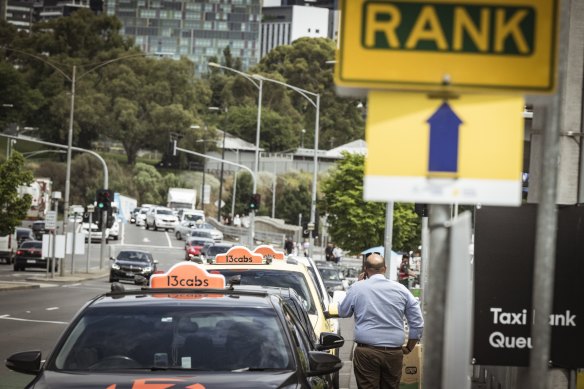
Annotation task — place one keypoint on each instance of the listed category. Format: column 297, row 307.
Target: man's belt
column 378, row 347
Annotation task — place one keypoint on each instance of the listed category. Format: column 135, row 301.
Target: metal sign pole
column 388, row 239
column 436, row 295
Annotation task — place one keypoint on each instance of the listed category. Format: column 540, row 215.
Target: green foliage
column 356, row 224
column 303, row 64
column 13, row 208
column 242, row 194
column 148, row 183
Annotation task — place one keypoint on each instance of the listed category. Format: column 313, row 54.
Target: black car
column 38, row 229
column 176, row 337
column 29, row 255
column 131, row 263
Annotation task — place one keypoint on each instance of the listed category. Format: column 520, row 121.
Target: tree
column 356, row 224
column 13, row 208
column 304, row 64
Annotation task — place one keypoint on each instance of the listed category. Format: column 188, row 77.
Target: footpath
column 36, row 280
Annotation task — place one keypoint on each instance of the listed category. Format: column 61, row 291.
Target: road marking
column 150, row 247
column 146, row 240
column 72, row 285
column 51, row 308
column 7, row 317
column 123, row 231
column 168, row 238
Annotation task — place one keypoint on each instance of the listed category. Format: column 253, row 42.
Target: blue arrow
column 444, row 140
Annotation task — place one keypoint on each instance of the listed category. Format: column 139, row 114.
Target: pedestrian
column 288, row 245
column 328, row 252
column 379, row 306
column 237, row 221
column 306, row 246
column 337, row 254
column 404, row 271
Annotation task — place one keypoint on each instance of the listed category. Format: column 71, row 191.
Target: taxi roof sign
column 269, row 252
column 239, row 255
column 471, row 45
column 187, row 275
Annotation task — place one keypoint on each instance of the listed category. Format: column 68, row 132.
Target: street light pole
column 219, row 202
column 69, row 145
column 258, row 83
column 316, row 104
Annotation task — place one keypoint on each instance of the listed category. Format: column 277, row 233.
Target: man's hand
column 405, row 350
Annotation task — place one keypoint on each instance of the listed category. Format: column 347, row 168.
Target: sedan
column 194, row 247
column 28, row 255
column 131, row 263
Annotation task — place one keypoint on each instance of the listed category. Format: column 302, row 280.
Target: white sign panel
column 51, row 220
column 48, row 248
column 79, row 243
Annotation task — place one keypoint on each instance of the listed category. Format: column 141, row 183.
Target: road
column 33, row 319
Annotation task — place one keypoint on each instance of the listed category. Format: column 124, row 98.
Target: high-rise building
column 197, row 29
column 283, row 25
column 19, row 13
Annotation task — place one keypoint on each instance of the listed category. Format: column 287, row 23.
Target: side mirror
column 329, row 340
column 322, row 363
column 28, row 362
column 112, row 259
column 155, row 262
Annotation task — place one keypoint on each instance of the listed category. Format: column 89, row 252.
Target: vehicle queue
column 267, row 328
column 188, row 329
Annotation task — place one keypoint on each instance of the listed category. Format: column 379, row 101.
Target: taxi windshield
column 275, row 278
column 175, row 338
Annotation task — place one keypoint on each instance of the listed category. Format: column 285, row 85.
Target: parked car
column 29, row 255
column 194, row 247
column 161, row 217
column 38, row 228
column 131, row 263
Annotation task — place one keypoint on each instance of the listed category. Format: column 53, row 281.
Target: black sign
column 503, row 279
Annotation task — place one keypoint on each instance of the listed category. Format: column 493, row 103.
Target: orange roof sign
column 187, row 275
column 269, row 252
column 239, row 255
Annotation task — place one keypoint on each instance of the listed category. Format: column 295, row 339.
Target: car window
column 192, row 218
column 202, row 233
column 182, row 337
column 214, row 250
column 23, row 233
column 32, row 245
column 276, row 278
column 164, row 212
column 329, row 274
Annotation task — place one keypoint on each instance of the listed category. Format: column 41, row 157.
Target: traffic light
column 254, row 201
column 104, row 198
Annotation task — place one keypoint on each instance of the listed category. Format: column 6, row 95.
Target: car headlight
column 147, row 269
column 115, row 266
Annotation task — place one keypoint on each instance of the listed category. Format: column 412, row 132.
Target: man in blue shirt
column 379, row 306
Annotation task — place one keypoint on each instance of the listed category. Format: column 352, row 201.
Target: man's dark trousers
column 377, row 369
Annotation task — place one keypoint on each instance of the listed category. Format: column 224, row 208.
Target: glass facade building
column 197, row 29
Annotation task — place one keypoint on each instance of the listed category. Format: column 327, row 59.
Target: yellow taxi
column 267, row 267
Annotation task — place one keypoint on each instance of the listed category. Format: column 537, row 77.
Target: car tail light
column 19, row 252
